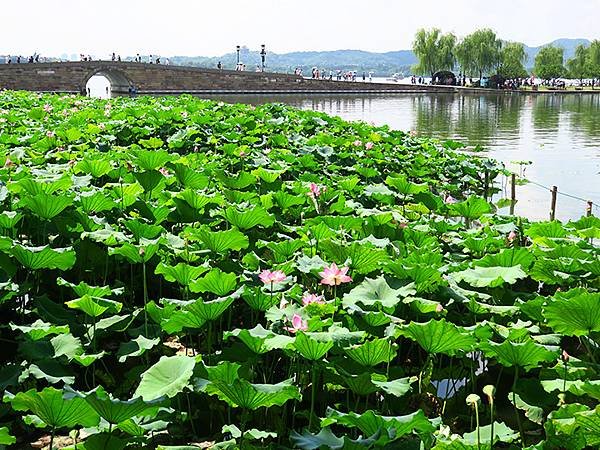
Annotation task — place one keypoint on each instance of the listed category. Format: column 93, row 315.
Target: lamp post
column 263, row 54
column 237, row 48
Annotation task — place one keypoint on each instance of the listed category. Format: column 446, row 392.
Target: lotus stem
column 145, row 299
column 51, row 439
column 515, row 406
column 313, row 395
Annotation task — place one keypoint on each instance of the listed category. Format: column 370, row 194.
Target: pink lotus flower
column 439, row 308
column 357, row 143
column 267, row 277
column 47, row 107
column 565, row 356
column 297, row 324
column 309, row 298
column 512, row 236
column 315, row 190
column 449, row 200
column 333, row 276
column 9, row 163
column 50, row 134
column 164, row 171
column 369, row 145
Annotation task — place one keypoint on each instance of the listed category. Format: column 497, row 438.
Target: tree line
column 484, row 53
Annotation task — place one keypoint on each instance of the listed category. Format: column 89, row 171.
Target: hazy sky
column 214, row 27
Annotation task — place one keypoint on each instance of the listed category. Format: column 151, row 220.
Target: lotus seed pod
column 489, row 390
column 473, row 399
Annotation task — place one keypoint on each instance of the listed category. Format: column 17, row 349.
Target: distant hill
column 569, row 45
column 382, row 64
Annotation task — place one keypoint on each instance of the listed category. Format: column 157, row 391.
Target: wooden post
column 588, row 209
column 513, row 193
column 553, row 203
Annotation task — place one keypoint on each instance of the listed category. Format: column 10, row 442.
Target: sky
column 215, row 27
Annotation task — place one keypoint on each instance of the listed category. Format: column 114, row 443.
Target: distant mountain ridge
column 381, row 64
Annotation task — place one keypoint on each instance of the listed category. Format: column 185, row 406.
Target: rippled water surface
column 559, row 134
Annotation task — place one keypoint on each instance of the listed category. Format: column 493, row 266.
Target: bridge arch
column 119, row 81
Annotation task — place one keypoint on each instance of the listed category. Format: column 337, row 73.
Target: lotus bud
column 565, row 357
column 489, row 390
column 473, row 400
column 9, row 163
column 142, row 251
column 439, row 308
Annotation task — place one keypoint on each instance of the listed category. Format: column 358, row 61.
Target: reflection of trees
column 583, row 115
column 476, row 119
column 509, row 109
column 433, row 115
column 546, row 112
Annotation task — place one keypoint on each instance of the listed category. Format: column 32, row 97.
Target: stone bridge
column 72, row 77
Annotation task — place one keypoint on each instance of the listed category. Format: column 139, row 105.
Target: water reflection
column 559, row 134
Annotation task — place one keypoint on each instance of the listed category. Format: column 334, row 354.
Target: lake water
column 558, row 134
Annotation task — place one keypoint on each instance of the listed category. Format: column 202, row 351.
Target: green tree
column 594, row 59
column 579, row 65
column 512, row 60
column 434, row 50
column 549, row 63
column 480, row 52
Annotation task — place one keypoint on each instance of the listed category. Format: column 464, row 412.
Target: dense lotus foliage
column 177, row 272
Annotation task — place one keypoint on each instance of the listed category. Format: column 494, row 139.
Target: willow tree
column 594, row 58
column 434, row 50
column 512, row 60
column 480, row 52
column 549, row 63
column 579, row 64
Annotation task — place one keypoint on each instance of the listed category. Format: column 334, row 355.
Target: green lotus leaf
column 151, row 159
column 196, row 314
column 363, row 258
column 286, row 200
column 371, row 423
column 198, row 200
column 9, row 219
column 96, row 202
column 53, row 409
column 216, row 281
column 250, row 218
column 472, row 208
column 95, row 167
column 222, row 241
column 95, row 306
column 542, row 230
column 268, row 176
column 526, row 354
column 508, row 257
column 36, row 258
column 283, row 251
column 589, row 423
column 252, row 434
column 405, row 187
column 258, row 300
column 5, row 437
column 135, row 254
column 136, row 347
column 168, row 377
column 46, row 206
column 240, row 393
column 439, row 336
column 240, row 181
column 376, row 292
column 40, row 329
column 397, row 388
column 259, row 340
column 66, row 345
column 190, row 178
column 311, row 348
column 490, row 276
column 574, row 313
column 112, row 409
column 372, row 353
column 83, row 288
column 324, row 439
column 181, row 273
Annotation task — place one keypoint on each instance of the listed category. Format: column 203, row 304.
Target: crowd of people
column 324, row 74
column 35, row 58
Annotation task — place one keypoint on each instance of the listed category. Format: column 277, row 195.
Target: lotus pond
column 180, row 274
